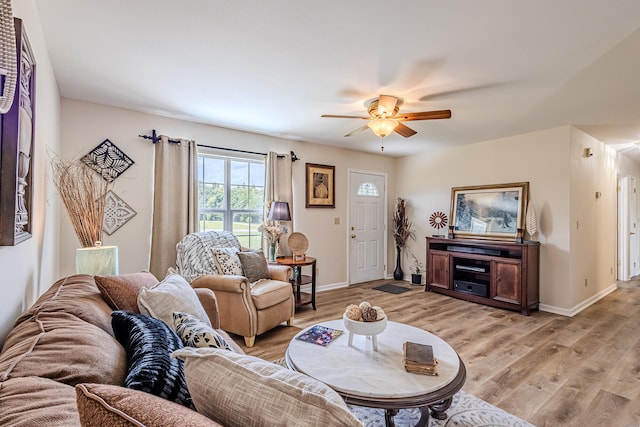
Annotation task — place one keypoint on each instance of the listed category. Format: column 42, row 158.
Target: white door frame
column 384, row 218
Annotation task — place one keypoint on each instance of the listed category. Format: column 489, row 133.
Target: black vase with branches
column 402, row 232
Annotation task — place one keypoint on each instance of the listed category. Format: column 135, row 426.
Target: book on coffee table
column 419, row 358
column 321, row 335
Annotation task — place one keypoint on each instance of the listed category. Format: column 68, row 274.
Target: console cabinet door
column 507, row 282
column 439, row 269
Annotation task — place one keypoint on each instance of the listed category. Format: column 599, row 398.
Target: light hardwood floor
column 548, row 369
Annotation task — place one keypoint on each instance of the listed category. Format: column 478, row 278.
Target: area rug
column 392, row 289
column 466, row 411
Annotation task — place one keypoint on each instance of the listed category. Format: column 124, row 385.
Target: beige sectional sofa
column 61, row 365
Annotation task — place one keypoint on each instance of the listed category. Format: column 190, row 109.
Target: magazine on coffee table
column 321, row 335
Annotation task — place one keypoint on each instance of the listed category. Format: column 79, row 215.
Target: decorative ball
column 380, row 313
column 353, row 312
column 369, row 314
column 364, row 305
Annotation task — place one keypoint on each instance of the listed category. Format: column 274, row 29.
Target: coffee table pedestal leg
column 422, row 422
column 439, row 410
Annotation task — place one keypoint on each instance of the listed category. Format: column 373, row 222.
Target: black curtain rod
column 155, row 138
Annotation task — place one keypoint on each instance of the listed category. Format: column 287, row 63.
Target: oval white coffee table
column 377, row 379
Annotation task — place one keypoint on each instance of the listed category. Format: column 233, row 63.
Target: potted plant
column 402, row 232
column 417, row 268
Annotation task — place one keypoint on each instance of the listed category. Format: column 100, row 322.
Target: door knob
column 353, row 236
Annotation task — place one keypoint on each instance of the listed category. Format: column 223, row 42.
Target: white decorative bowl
column 365, row 328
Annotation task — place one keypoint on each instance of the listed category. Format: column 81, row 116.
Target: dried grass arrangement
column 402, row 227
column 83, row 193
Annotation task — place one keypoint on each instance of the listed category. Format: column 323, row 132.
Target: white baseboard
column 328, row 287
column 578, row 308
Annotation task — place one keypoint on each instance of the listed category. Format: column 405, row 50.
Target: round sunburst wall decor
column 438, row 220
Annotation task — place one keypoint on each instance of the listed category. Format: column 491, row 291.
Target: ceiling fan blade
column 334, row 116
column 386, row 104
column 424, row 115
column 357, row 131
column 404, row 130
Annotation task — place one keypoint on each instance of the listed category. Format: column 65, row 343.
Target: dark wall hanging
column 108, row 160
column 16, row 149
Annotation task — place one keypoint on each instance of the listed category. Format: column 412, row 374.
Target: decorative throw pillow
column 101, row 405
column 254, row 265
column 172, row 294
column 227, row 261
column 195, row 333
column 121, row 292
column 149, row 343
column 224, row 386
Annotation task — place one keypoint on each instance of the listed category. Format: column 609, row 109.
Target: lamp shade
column 279, row 211
column 382, row 127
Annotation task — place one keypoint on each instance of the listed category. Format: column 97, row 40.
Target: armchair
column 245, row 309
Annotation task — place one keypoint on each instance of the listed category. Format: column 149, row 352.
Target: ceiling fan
column 384, row 117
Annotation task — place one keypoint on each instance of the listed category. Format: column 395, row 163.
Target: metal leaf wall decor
column 116, row 213
column 108, row 160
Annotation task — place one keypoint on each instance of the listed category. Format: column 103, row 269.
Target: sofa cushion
column 102, row 405
column 121, row 292
column 195, row 333
column 35, row 401
column 170, row 295
column 254, row 265
column 77, row 295
column 267, row 293
column 227, row 261
column 64, row 348
column 149, row 343
column 225, row 386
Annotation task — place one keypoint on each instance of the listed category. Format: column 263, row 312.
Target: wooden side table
column 302, row 298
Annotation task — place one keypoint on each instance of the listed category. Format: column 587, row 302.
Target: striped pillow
column 149, row 343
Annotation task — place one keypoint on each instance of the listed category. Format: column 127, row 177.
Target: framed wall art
column 320, row 186
column 16, row 149
column 489, row 211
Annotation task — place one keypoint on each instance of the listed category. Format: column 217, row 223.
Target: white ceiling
column 503, row 67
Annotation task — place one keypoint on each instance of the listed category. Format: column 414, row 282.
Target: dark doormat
column 392, row 289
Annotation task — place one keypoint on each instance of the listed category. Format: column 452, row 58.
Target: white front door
column 367, row 248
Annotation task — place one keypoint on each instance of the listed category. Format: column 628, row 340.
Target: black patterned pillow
column 227, row 261
column 194, row 333
column 149, row 343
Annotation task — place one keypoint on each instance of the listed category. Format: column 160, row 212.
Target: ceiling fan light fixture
column 382, row 127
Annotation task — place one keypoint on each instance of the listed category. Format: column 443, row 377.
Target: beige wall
column 85, row 125
column 562, row 183
column 30, row 267
column 592, row 220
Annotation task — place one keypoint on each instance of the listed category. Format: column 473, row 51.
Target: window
column 231, row 196
column 368, row 189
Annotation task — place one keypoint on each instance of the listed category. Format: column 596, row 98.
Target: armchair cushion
column 254, row 265
column 170, row 295
column 267, row 293
column 227, row 261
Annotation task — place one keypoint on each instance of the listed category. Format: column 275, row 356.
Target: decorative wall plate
column 108, row 160
column 438, row 220
column 116, row 213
